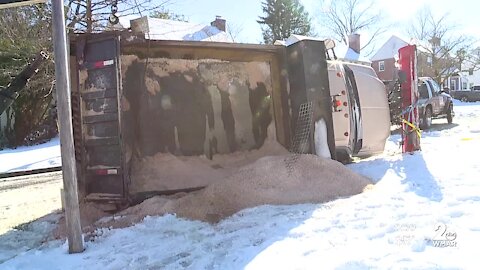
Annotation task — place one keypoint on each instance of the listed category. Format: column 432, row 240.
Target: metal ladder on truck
column 96, row 110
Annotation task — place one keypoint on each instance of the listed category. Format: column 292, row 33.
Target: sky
column 243, row 15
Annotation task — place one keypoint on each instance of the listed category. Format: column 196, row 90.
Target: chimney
column 219, row 23
column 354, row 42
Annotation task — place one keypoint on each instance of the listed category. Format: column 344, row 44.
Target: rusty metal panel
column 109, row 93
column 190, row 107
column 101, row 129
column 103, row 156
column 176, row 98
column 189, row 99
column 102, row 48
column 102, row 141
column 106, row 184
column 92, row 119
column 105, row 105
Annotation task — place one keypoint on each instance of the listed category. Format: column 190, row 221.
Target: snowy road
column 23, row 199
column 419, row 203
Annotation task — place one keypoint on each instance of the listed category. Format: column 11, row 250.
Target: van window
column 423, row 90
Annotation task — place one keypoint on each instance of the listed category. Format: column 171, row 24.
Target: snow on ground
column 419, row 202
column 27, row 237
column 28, row 202
column 26, row 158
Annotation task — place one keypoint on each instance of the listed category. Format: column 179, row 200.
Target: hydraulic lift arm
column 13, row 90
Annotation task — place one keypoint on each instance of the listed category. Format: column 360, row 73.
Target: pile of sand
column 169, row 172
column 266, row 181
column 90, row 213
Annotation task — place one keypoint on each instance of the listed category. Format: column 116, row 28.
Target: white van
column 361, row 116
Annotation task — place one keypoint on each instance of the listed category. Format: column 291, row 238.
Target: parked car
column 467, row 95
column 433, row 102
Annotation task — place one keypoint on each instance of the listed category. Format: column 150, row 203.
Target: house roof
column 390, row 48
column 161, row 29
column 342, row 51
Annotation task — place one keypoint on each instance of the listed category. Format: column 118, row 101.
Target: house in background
column 383, row 61
column 466, row 78
column 161, row 29
column 459, row 80
column 462, row 80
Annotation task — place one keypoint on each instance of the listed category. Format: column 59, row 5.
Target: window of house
column 381, row 66
column 453, row 85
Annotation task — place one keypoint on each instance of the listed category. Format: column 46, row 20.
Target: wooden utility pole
column 72, row 211
column 64, row 110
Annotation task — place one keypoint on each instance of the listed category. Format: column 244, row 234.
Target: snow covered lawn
column 26, row 158
column 419, row 202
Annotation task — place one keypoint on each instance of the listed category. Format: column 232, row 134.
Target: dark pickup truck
column 433, row 103
column 467, row 95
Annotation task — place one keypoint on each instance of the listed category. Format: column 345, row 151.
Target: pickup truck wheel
column 427, row 118
column 449, row 114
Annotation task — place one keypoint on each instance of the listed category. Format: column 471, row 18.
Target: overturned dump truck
column 160, row 117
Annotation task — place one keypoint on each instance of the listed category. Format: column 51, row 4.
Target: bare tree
column 234, row 31
column 343, row 18
column 442, row 51
column 166, row 14
column 93, row 15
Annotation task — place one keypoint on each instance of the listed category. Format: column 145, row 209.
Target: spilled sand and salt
column 266, row 181
column 163, row 172
column 269, row 175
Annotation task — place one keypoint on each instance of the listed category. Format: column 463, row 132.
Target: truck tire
column 427, row 118
column 449, row 114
